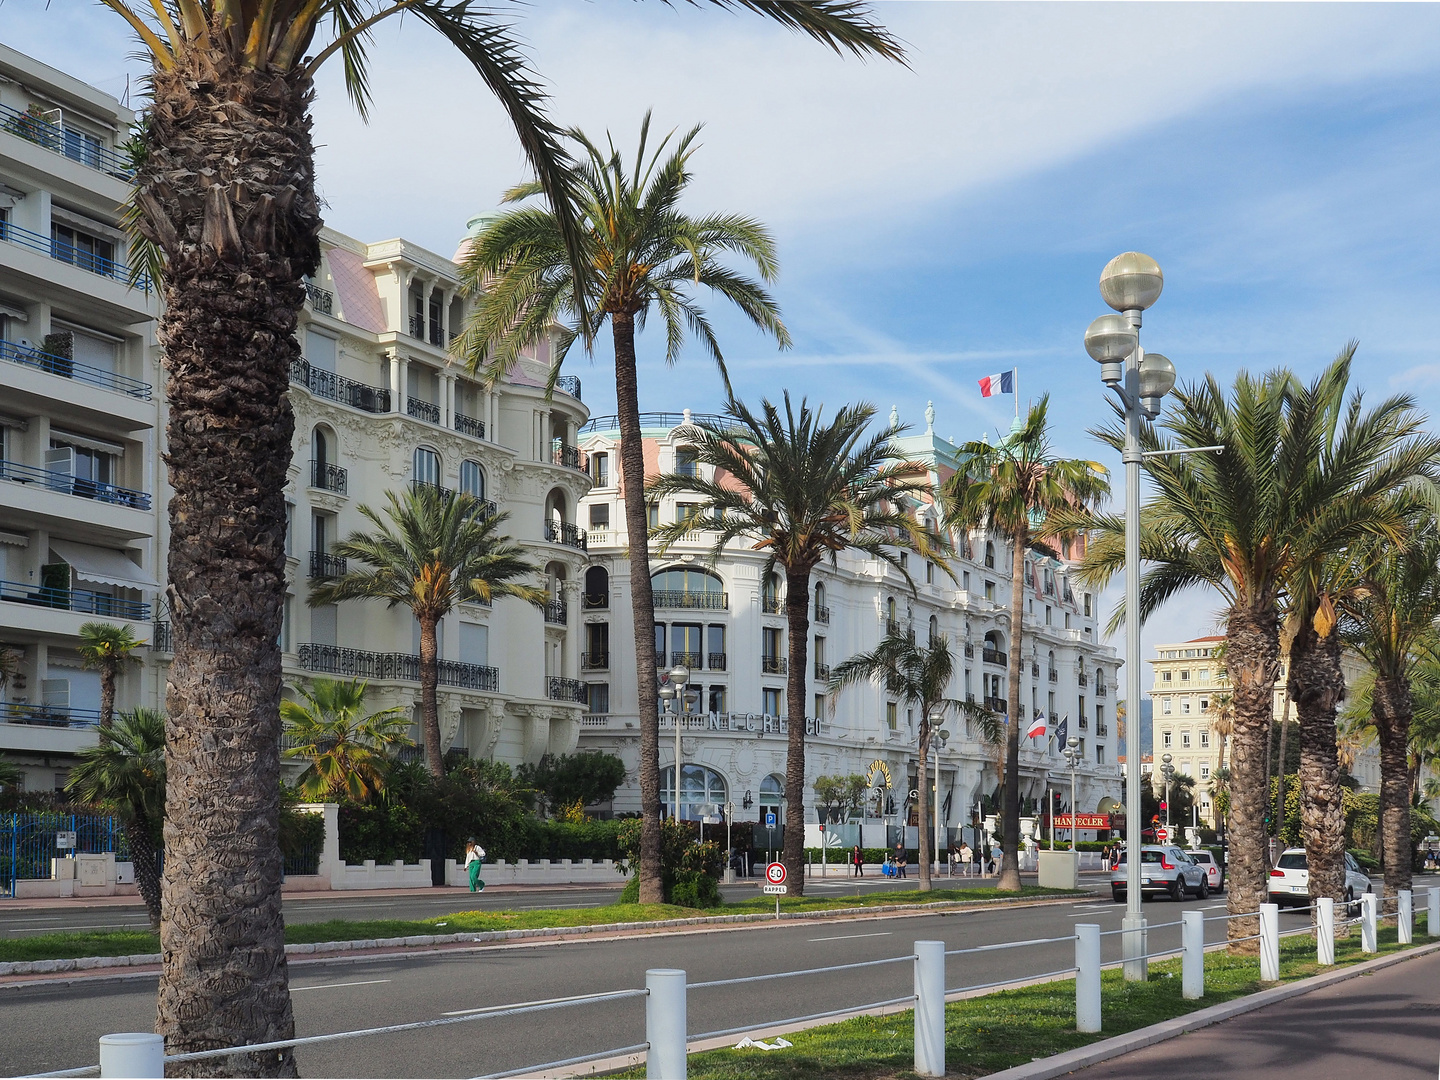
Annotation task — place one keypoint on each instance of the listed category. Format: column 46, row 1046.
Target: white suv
column 1214, row 872
column 1290, row 880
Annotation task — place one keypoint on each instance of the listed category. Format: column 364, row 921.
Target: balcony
column 324, row 566
column 568, row 456
column 320, row 300
column 67, row 484
column 417, row 327
column 444, row 492
column 75, row 256
column 162, row 637
column 65, row 141
column 557, row 612
column 422, row 410
column 997, row 704
column 358, row 663
column 822, row 672
column 332, row 387
column 1054, row 675
column 595, row 661
column 572, row 690
column 822, row 616
column 328, row 477
column 969, row 651
column 689, row 659
column 468, row 425
column 569, row 384
column 994, row 656
column 563, row 532
column 772, row 605
column 1034, row 670
column 703, row 601
column 654, row 420
column 80, row 601
column 1084, row 724
column 1082, row 678
column 595, row 601
column 437, row 335
column 1104, row 729
column 1101, row 690
column 774, row 665
column 715, row 661
column 69, row 369
column 60, row 716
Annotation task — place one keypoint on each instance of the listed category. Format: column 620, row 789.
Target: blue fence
column 29, row 841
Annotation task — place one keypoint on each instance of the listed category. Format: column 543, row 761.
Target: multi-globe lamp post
column 1130, row 283
column 673, row 693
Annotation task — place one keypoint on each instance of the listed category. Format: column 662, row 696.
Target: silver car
column 1163, row 869
column 1290, row 880
column 1214, row 872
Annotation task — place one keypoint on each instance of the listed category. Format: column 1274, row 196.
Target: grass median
column 63, row 946
column 1000, row 1030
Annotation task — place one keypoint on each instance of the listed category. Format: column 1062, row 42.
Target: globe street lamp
column 941, row 736
column 1072, row 759
column 1168, row 772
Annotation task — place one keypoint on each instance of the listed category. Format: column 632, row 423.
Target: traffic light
column 1164, row 807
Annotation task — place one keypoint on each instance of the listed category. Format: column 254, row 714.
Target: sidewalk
column 1384, row 1025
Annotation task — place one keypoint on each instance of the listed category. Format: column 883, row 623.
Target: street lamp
column 1072, row 759
column 942, row 736
column 1129, row 284
column 1168, row 772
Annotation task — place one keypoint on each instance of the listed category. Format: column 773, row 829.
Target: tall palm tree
column 349, row 750
column 1018, row 488
column 109, row 648
column 125, row 773
column 228, row 220
column 642, row 255
column 1241, row 522
column 801, row 490
column 437, row 549
column 920, row 676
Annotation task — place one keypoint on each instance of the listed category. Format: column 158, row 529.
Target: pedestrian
column 995, row 854
column 474, row 856
column 857, row 860
column 902, row 860
column 967, row 859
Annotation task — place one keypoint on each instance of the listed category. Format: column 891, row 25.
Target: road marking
column 516, row 1005
column 333, row 986
column 847, row 937
column 88, row 926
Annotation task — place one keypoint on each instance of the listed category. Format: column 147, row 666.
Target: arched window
column 1051, row 657
column 472, row 479
column 934, row 629
column 427, row 466
column 555, row 506
column 770, row 594
column 597, row 588
column 819, row 595
column 320, row 447
column 990, row 554
column 772, row 791
column 702, row 791
column 683, row 587
column 890, row 608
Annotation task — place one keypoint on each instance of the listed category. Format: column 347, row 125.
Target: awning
column 104, row 566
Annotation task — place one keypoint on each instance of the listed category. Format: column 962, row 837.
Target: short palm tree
column 643, row 256
column 349, row 750
column 920, row 676
column 125, row 773
column 801, row 490
column 108, row 648
column 436, row 549
column 1019, row 488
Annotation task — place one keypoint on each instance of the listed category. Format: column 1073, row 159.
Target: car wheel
column 1177, row 888
column 1118, row 895
column 1203, row 893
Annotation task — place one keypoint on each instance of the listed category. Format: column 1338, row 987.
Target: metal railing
column 997, row 704
column 1034, row 670
column 772, row 605
column 561, row 689
column 162, row 637
column 327, row 476
column 337, row 388
column 689, row 659
column 994, row 656
column 822, row 671
column 1101, row 689
column 321, row 300
column 715, row 661
column 969, row 650
column 595, row 601
column 595, row 661
column 324, row 566
column 67, row 484
column 18, row 712
column 569, row 384
column 557, row 612
column 677, row 598
column 822, row 615
column 65, row 141
column 1054, row 675
column 1082, row 678
column 652, row 420
column 417, row 327
column 405, row 667
column 60, row 251
column 81, row 601
column 774, row 665
column 417, row 485
column 564, row 532
column 468, row 425
column 571, row 457
column 68, row 369
column 422, row 410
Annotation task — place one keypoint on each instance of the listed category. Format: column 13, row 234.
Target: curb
column 423, row 941
column 1099, row 1052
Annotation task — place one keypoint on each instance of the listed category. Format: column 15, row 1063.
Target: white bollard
column 1367, row 923
column 665, row 1024
column 1432, row 913
column 1087, row 977
column 132, row 1053
column 1405, row 916
column 1133, row 942
column 1325, row 930
column 1192, row 937
column 1269, row 943
column 930, row 1008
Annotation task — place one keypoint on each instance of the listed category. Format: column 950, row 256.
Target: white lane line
column 848, row 937
column 516, row 1005
column 333, row 986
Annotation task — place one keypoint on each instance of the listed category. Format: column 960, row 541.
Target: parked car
column 1290, row 880
column 1214, row 872
column 1163, row 869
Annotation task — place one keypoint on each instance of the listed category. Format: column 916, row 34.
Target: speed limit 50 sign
column 775, row 873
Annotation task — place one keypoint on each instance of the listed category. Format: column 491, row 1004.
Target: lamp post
column 1129, row 284
column 679, row 679
column 1072, row 759
column 1168, row 772
column 942, row 736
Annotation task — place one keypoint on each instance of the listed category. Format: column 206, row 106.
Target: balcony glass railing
column 80, row 601
column 66, row 141
column 423, row 410
column 332, row 387
column 74, row 485
column 563, row 532
column 69, row 253
column 358, row 663
column 468, row 425
column 572, row 690
column 704, row 601
column 69, row 369
column 328, row 476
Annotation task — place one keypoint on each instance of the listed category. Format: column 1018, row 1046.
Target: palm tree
column 438, row 548
column 1017, row 489
column 227, row 221
column 919, row 676
column 125, row 773
column 348, row 749
column 9, row 666
column 1241, row 522
column 10, row 774
column 642, row 255
column 109, row 648
column 802, row 490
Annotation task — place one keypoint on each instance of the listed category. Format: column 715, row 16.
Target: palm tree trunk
column 1251, row 658
column 797, row 620
column 147, row 870
column 1317, row 685
column 429, row 706
column 107, row 695
column 1010, row 819
column 227, row 191
column 922, row 803
column 642, row 606
column 1393, row 709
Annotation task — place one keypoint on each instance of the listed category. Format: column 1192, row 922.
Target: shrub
column 684, row 862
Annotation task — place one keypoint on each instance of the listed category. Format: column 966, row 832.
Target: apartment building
column 79, row 412
column 726, row 623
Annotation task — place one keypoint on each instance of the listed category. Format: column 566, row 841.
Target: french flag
column 1000, row 383
column 1037, row 727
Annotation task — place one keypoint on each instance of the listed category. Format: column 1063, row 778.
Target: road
column 56, row 1026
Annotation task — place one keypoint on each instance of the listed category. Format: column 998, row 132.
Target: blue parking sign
column 769, row 819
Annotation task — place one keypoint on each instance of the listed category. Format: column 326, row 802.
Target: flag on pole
column 1062, row 731
column 1037, row 727
column 1000, row 383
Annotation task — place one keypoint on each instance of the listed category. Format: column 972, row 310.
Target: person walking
column 967, row 859
column 902, row 860
column 857, row 860
column 474, row 857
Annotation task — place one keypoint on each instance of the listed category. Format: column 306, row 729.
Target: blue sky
column 945, row 222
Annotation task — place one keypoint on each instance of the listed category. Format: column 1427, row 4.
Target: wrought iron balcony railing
column 678, row 598
column 1102, row 730
column 1082, row 678
column 417, row 327
column 774, row 665
column 595, row 601
column 66, row 484
column 1054, row 675
column 1101, row 690
column 328, row 476
column 563, row 532
column 595, row 661
column 689, row 659
column 468, row 425
column 359, row 663
column 569, row 384
column 569, row 456
column 822, row 671
column 80, row 601
column 422, row 410
column 715, row 661
column 321, row 300
column 772, row 605
column 568, row 690
column 822, row 616
column 324, row 566
column 994, row 656
column 162, row 637
column 557, row 612
column 332, row 387
column 69, row 369
column 969, row 650
column 997, row 704
column 445, row 493
column 1034, row 669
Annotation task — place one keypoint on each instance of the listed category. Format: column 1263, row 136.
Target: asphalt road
column 56, row 1026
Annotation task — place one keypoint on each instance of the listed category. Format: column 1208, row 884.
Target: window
column 285, row 635
column 1081, row 710
column 990, row 554
column 773, row 642
column 934, row 629
column 660, row 643
column 600, row 515
column 965, row 580
column 82, row 249
column 685, row 511
column 1165, row 676
column 819, row 597
column 819, row 706
column 968, row 691
column 92, row 469
column 1204, row 738
column 771, row 788
column 685, row 644
column 652, row 515
column 1048, row 620
column 701, row 791
column 597, row 588
column 472, row 479
column 1185, row 707
column 1204, row 770
column 715, row 644
column 1165, row 706
column 819, row 654
column 1099, row 754
column 1203, row 674
column 1185, row 740
column 717, row 699
column 1087, row 605
column 427, row 466
column 597, row 645
column 598, row 698
column 686, row 463
column 1166, row 739
column 1204, row 704
column 774, row 701
column 904, row 560
column 770, row 595
column 929, row 573
column 892, row 717
column 1067, row 620
column 1185, row 675
column 683, row 587
column 600, row 470
column 990, row 591
column 1100, row 719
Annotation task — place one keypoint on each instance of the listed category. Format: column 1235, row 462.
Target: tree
column 108, row 648
column 9, row 666
column 567, row 780
column 125, row 773
column 437, row 549
column 839, row 797
column 227, row 220
column 10, row 774
column 920, row 676
column 1018, row 488
column 349, row 750
column 801, row 490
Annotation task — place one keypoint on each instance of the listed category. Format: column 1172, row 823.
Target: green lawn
column 59, row 946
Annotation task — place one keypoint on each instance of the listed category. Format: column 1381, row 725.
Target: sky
column 949, row 220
